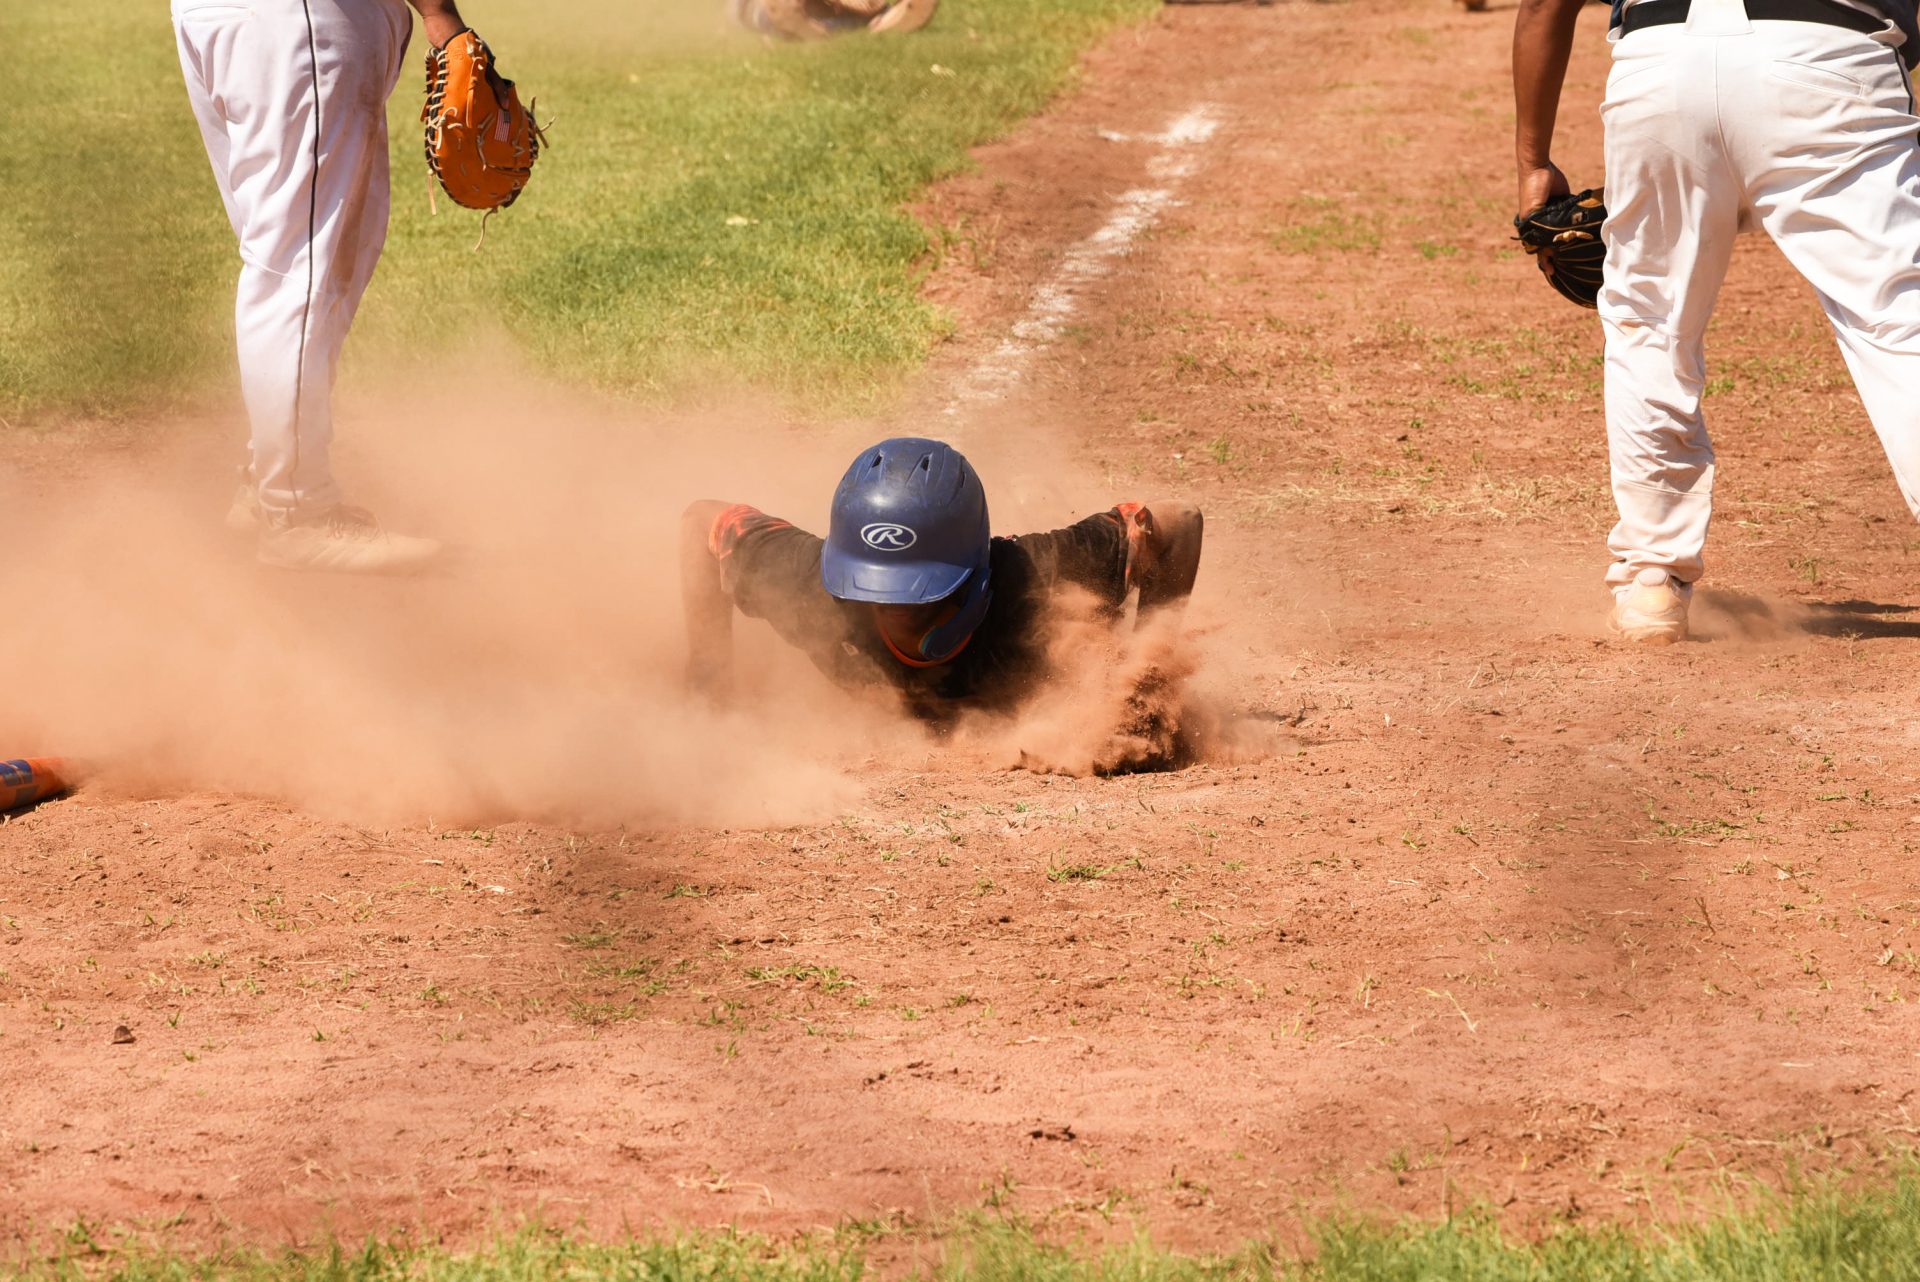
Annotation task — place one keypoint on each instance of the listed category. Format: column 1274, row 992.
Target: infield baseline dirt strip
column 1507, row 913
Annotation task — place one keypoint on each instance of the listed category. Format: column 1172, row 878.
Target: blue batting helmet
column 909, row 525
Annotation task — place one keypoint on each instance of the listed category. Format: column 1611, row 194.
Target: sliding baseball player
column 910, row 591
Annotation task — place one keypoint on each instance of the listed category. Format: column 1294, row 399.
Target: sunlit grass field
column 1817, row 1235
column 712, row 205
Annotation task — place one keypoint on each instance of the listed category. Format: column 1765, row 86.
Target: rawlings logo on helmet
column 888, row 536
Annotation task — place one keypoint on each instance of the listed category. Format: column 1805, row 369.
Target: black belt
column 1661, row 13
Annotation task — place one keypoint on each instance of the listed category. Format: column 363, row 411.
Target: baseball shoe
column 343, row 540
column 1651, row 608
column 243, row 514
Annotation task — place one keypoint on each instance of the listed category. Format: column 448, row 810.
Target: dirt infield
column 1502, row 912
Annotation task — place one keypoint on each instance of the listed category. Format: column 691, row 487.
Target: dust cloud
column 1138, row 696
column 539, row 678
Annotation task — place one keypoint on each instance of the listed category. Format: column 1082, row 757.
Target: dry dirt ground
column 1505, row 913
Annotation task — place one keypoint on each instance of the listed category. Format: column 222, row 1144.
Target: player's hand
column 1138, row 519
column 1172, row 533
column 1538, row 186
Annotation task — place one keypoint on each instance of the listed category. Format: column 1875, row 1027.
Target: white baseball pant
column 1714, row 127
column 291, row 99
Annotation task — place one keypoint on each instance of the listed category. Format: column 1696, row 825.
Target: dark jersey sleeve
column 771, row 570
column 1090, row 554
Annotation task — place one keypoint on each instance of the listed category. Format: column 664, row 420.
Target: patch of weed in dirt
column 1803, row 371
column 827, row 978
column 637, row 968
column 1527, row 366
column 598, row 1014
column 1076, row 872
column 593, row 939
column 1090, row 872
column 1809, row 569
column 1322, row 225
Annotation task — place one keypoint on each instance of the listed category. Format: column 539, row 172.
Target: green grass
column 710, row 206
column 1870, row 1235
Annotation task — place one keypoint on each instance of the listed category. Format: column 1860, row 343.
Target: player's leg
column 366, row 202
column 1673, row 210
column 1835, row 179
column 199, row 30
column 304, row 86
column 298, row 88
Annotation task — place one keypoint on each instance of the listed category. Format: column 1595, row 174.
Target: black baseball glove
column 1564, row 236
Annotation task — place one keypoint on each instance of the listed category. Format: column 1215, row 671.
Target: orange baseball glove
column 481, row 143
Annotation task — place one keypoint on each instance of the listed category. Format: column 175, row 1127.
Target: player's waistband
column 1661, row 13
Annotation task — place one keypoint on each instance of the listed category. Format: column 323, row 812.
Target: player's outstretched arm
column 1542, row 42
column 703, row 597
column 1169, row 553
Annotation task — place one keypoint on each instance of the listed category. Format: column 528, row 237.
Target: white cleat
column 343, row 540
column 1651, row 608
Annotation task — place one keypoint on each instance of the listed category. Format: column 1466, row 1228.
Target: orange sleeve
column 735, row 523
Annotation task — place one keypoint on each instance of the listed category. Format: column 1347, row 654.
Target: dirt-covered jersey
column 771, row 570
